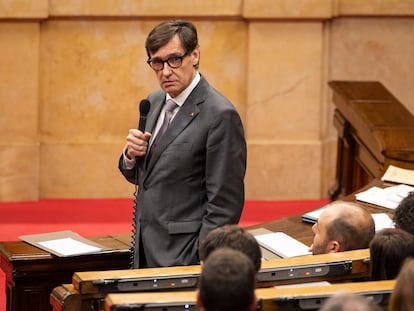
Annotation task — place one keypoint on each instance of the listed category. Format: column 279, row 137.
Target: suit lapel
column 156, row 105
column 184, row 116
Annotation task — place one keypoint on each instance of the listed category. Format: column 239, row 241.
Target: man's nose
column 166, row 71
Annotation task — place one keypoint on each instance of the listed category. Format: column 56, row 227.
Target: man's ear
column 196, row 57
column 334, row 247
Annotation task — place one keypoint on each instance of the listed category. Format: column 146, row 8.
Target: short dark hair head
column 227, row 281
column 235, row 237
column 404, row 214
column 165, row 31
column 388, row 250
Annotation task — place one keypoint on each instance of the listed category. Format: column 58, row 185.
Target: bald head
column 342, row 226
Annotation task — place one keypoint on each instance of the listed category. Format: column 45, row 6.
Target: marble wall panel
column 288, row 8
column 145, row 8
column 73, row 73
column 284, row 81
column 375, row 7
column 285, row 110
column 280, row 170
column 19, row 63
column 379, row 49
column 32, row 9
column 82, row 171
column 19, row 145
column 93, row 75
column 19, row 172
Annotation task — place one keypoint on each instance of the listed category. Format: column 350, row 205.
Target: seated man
column 342, row 226
column 227, row 282
column 388, row 250
column 234, row 237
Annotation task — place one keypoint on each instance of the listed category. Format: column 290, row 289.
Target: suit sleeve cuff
column 128, row 163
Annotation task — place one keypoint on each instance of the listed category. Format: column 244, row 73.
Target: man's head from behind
column 227, row 282
column 388, row 250
column 235, row 237
column 342, row 226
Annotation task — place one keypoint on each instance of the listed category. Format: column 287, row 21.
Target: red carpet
column 100, row 217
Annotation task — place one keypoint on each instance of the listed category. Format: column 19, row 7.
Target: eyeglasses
column 173, row 61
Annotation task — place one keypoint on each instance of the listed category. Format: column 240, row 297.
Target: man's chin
column 170, row 88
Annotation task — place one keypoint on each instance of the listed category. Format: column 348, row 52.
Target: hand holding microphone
column 137, row 139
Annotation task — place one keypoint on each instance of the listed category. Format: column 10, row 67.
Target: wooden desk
column 271, row 299
column 67, row 298
column 325, row 267
column 31, row 273
column 84, row 294
column 374, row 131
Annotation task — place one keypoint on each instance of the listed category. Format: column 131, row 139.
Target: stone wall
column 73, row 72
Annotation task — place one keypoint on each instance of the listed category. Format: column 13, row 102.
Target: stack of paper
column 283, row 245
column 382, row 221
column 399, row 175
column 64, row 243
column 388, row 197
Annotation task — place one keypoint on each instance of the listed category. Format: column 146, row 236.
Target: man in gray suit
column 191, row 178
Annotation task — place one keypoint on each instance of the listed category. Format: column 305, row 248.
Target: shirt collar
column 180, row 99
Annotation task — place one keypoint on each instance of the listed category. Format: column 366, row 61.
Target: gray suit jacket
column 194, row 181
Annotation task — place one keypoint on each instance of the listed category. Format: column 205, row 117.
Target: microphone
column 144, row 107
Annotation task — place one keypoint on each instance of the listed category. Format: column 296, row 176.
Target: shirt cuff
column 128, row 164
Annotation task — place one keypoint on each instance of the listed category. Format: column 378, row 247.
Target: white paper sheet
column 283, row 245
column 69, row 246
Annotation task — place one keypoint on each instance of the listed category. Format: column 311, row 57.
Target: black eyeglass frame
column 159, row 60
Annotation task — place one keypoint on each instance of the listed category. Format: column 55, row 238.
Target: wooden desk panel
column 291, row 225
column 272, row 299
column 302, row 269
column 374, row 131
column 31, row 273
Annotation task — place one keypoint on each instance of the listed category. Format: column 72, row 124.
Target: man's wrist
column 126, row 154
column 128, row 163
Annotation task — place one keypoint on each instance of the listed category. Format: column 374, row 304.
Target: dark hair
column 404, row 214
column 388, row 250
column 165, row 31
column 235, row 237
column 227, row 281
column 352, row 230
column 402, row 298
